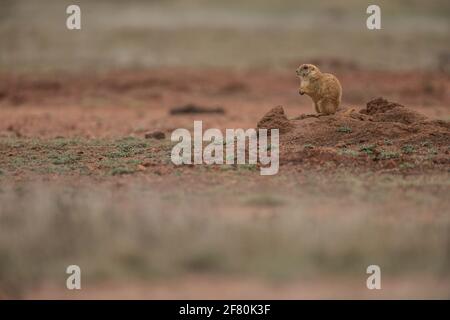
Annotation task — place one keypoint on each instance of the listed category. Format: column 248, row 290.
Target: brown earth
column 130, row 102
column 138, row 103
column 382, row 135
column 110, row 133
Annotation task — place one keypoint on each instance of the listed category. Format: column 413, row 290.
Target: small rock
column 155, row 135
column 441, row 160
column 390, row 164
column 147, row 163
column 141, row 167
column 194, row 109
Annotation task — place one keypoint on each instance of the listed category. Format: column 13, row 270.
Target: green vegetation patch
column 368, row 149
column 408, row 149
column 344, row 129
column 384, row 155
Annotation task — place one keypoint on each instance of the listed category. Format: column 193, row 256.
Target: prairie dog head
column 307, row 71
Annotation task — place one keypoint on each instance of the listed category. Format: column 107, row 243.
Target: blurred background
column 84, row 181
column 235, row 33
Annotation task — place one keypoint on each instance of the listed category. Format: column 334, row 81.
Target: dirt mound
column 275, row 119
column 383, row 135
column 382, row 110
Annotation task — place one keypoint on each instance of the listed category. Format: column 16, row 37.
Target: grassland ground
column 80, row 184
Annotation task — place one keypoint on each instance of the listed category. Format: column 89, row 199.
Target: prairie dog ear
column 313, row 69
column 302, row 70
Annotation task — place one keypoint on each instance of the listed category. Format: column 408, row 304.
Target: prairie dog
column 323, row 88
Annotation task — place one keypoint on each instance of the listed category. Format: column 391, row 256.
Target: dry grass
column 139, row 232
column 211, row 33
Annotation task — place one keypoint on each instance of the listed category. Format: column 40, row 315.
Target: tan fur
column 324, row 88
